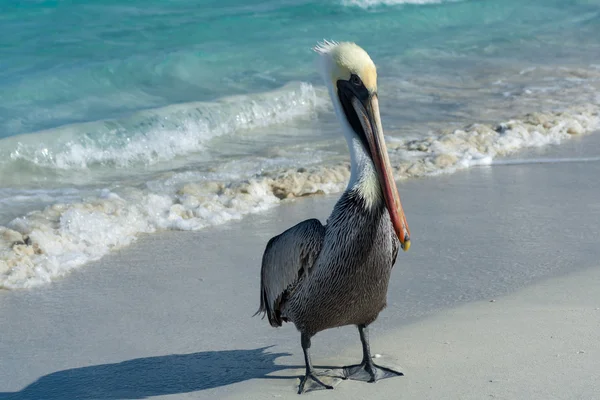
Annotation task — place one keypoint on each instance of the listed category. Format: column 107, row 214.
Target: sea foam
column 375, row 3
column 46, row 244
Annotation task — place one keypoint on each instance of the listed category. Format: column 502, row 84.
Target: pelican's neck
column 363, row 176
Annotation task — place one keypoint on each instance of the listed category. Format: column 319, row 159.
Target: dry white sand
column 170, row 316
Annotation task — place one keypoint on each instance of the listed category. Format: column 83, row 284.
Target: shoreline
column 51, row 243
column 170, row 316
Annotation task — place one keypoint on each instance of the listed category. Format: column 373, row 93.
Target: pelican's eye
column 355, row 80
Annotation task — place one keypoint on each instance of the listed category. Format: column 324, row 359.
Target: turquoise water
column 137, row 99
column 77, row 61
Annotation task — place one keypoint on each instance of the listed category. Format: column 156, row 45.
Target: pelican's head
column 351, row 77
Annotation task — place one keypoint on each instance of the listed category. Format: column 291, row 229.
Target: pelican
column 321, row 277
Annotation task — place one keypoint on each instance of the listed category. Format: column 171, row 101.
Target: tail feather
column 273, row 315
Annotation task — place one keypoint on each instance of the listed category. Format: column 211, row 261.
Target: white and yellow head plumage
column 341, row 60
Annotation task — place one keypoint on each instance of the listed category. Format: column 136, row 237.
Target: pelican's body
column 348, row 282
column 321, row 277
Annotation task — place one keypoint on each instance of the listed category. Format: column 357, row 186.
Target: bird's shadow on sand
column 153, row 376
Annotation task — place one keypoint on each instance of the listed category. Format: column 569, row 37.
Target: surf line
column 542, row 161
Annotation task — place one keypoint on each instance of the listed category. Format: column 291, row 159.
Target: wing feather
column 287, row 258
column 395, row 247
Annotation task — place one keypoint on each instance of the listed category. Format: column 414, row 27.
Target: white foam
column 480, row 144
column 44, row 245
column 48, row 244
column 375, row 3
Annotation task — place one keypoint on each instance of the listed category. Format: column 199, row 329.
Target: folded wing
column 288, row 258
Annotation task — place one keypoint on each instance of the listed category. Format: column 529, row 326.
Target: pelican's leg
column 367, row 370
column 309, row 381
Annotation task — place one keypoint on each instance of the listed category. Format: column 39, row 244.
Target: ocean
column 122, row 118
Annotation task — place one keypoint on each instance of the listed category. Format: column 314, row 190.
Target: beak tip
column 406, row 245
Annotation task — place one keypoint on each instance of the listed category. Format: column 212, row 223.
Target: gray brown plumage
column 321, row 277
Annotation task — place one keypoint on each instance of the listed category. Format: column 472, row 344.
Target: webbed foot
column 369, row 372
column 310, row 382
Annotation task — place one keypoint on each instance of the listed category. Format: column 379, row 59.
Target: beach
column 149, row 150
column 497, row 298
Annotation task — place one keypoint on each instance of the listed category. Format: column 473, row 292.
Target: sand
column 170, row 317
column 539, row 343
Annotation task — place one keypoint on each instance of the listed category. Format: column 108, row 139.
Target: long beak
column 371, row 123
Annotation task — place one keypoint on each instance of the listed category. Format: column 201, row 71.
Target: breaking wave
column 152, row 136
column 376, row 3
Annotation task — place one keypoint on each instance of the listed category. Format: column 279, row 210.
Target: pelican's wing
column 287, row 258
